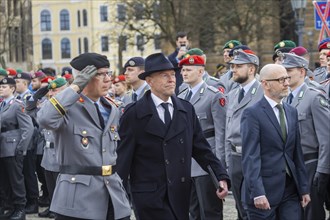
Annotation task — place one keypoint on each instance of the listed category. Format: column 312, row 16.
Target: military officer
column 283, row 46
column 210, row 80
column 15, row 136
column 84, row 124
column 321, row 74
column 314, row 117
column 226, row 79
column 210, row 107
column 244, row 67
column 133, row 68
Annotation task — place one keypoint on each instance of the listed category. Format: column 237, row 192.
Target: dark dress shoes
column 18, row 214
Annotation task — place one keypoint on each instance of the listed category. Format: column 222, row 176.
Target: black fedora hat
column 155, row 63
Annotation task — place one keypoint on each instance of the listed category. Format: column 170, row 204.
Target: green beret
column 285, row 43
column 19, row 70
column 195, row 51
column 57, row 83
column 231, row 44
column 3, row 72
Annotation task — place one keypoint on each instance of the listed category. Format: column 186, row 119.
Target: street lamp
column 299, row 7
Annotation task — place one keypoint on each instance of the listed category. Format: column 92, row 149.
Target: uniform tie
column 289, row 99
column 167, row 116
column 101, row 119
column 188, row 95
column 134, row 97
column 240, row 95
column 3, row 104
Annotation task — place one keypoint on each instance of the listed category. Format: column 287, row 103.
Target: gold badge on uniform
column 112, row 128
column 282, row 44
column 81, row 99
column 84, row 141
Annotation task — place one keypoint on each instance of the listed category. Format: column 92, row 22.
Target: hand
column 85, row 75
column 40, row 93
column 305, row 200
column 320, row 181
column 181, row 52
column 224, row 192
column 262, row 203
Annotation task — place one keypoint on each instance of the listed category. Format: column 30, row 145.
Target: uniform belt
column 311, row 156
column 209, row 133
column 237, row 149
column 105, row 170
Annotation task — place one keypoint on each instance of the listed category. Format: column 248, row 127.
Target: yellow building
column 64, row 29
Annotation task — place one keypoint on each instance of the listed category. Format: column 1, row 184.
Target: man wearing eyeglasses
column 314, row 118
column 244, row 68
column 84, row 124
column 275, row 184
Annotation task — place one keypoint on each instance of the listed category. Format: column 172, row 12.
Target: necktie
column 134, row 97
column 289, row 99
column 188, row 95
column 167, row 116
column 282, row 121
column 240, row 95
column 101, row 119
column 3, row 104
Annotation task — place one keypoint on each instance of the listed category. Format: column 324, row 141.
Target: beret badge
column 19, row 75
column 4, row 81
column 131, row 63
column 328, row 45
column 282, row 44
column 53, row 85
column 231, row 45
column 191, row 60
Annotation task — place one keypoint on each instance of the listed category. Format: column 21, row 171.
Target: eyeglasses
column 280, row 80
column 102, row 75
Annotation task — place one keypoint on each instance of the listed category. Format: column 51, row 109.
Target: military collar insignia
column 301, row 94
column 202, row 91
column 81, row 100
column 253, row 91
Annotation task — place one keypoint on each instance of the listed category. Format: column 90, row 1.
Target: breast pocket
column 83, row 139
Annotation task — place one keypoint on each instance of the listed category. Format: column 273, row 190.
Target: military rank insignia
column 222, row 102
column 84, row 142
column 222, row 89
column 112, row 128
column 81, row 100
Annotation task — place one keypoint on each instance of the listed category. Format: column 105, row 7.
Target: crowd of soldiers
column 63, row 131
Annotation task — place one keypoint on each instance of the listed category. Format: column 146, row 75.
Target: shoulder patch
column 215, row 90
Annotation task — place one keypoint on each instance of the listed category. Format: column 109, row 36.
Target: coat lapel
column 198, row 94
column 271, row 115
column 299, row 96
column 247, row 97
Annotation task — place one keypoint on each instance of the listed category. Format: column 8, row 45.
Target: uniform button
column 167, row 162
column 169, row 181
column 107, row 182
column 14, row 139
column 103, row 150
column 182, row 160
column 165, row 144
column 183, row 179
column 73, row 179
column 181, row 141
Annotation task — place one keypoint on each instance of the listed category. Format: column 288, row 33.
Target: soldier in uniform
column 84, row 124
column 209, row 80
column 49, row 160
column 309, row 79
column 283, row 46
column 160, row 133
column 36, row 80
column 244, row 67
column 226, row 79
column 314, row 118
column 133, row 68
column 321, row 74
column 15, row 136
column 210, row 107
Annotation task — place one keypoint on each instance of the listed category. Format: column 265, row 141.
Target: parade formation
column 167, row 140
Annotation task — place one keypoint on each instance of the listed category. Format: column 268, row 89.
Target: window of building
column 157, row 42
column 46, row 46
column 85, row 44
column 79, row 45
column 104, row 13
column 78, row 18
column 122, row 40
column 45, row 22
column 138, row 10
column 105, row 43
column 85, row 17
column 140, row 42
column 64, row 20
column 65, row 48
column 121, row 12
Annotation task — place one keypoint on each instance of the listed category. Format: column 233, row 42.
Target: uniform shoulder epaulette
column 214, row 79
column 111, row 101
column 213, row 89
